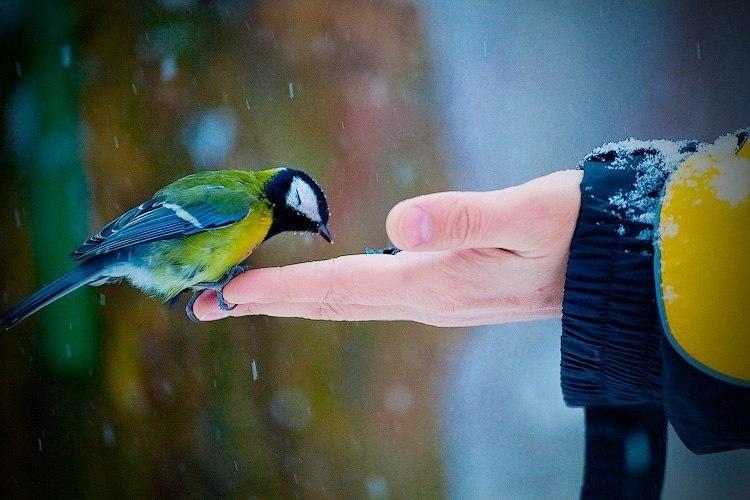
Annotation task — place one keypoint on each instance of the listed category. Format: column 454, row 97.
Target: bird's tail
column 84, row 274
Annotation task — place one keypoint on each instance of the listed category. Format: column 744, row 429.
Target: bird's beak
column 325, row 233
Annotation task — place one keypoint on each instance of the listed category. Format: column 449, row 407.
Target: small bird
column 191, row 235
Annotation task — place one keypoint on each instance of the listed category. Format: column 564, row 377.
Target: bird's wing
column 167, row 217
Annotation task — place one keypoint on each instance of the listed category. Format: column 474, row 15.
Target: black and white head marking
column 302, row 198
column 298, row 202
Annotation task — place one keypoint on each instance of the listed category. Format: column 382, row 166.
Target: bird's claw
column 223, row 304
column 218, row 287
column 234, row 271
column 189, row 306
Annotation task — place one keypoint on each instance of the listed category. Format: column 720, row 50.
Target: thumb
column 532, row 219
column 457, row 220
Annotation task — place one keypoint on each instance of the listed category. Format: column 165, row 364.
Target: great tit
column 191, row 236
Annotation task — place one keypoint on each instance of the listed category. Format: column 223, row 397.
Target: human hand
column 469, row 258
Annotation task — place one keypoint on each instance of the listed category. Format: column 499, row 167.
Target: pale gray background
column 526, row 88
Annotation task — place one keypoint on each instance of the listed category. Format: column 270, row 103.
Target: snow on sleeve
column 660, row 159
column 730, row 179
column 732, row 183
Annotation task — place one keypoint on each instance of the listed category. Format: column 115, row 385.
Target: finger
column 207, row 310
column 355, row 279
column 511, row 218
column 206, row 306
column 456, row 220
column 318, row 311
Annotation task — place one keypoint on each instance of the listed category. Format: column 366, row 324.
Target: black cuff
column 610, row 327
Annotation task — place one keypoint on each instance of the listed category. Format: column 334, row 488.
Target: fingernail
column 415, row 226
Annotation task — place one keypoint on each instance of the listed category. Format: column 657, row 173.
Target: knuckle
column 462, row 221
column 334, row 295
column 340, row 290
column 448, row 307
column 327, row 311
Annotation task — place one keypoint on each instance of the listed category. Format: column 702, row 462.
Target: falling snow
column 377, row 487
column 66, row 56
column 108, row 434
column 168, row 69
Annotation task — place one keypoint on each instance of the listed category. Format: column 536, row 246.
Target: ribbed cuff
column 610, row 329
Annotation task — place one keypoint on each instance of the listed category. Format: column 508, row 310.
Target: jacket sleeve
column 702, row 273
column 614, row 349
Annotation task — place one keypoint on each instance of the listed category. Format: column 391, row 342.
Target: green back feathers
column 193, row 204
column 226, row 190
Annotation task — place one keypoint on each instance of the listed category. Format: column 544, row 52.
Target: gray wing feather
column 156, row 220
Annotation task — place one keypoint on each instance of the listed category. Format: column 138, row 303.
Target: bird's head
column 298, row 204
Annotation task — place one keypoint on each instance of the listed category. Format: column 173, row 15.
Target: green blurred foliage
column 247, row 407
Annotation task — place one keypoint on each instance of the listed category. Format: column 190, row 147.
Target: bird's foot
column 234, row 271
column 216, row 286
column 190, row 304
column 391, row 250
column 223, row 304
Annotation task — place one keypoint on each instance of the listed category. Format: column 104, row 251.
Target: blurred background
column 110, row 393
